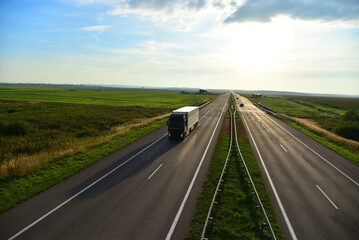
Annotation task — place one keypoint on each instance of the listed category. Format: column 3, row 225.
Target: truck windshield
column 176, row 120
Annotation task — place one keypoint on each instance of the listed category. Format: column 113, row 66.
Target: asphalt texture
column 135, row 193
column 317, row 189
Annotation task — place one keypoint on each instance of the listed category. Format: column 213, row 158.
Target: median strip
column 234, row 214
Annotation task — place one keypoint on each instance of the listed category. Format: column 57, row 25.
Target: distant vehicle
column 237, row 98
column 182, row 121
column 241, row 104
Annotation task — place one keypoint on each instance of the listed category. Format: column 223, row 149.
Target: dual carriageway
column 149, row 189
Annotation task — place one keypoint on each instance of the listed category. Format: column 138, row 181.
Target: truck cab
column 182, row 121
column 177, row 125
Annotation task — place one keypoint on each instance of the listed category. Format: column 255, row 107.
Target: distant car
column 237, row 98
column 241, row 104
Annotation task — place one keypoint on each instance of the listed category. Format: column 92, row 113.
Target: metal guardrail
column 260, row 205
column 234, row 145
column 221, row 181
column 204, row 104
column 268, row 110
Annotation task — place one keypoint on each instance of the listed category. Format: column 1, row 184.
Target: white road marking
column 250, row 111
column 283, row 148
column 83, row 190
column 155, row 171
column 179, row 212
column 315, row 153
column 289, row 225
column 267, row 130
column 206, row 113
column 263, row 125
column 335, row 206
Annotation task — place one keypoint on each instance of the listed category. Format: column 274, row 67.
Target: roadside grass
column 334, row 122
column 14, row 190
column 236, row 216
column 57, row 129
column 350, row 154
column 103, row 96
column 48, row 134
column 33, row 133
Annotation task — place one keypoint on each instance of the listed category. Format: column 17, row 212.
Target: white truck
column 182, row 121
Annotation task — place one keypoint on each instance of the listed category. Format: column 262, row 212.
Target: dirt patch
column 226, row 127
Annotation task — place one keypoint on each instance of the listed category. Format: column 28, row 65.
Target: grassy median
column 236, row 216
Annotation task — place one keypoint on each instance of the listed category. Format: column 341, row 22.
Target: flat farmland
column 101, row 96
column 48, row 134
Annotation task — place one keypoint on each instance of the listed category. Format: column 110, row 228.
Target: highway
column 148, row 190
column 314, row 191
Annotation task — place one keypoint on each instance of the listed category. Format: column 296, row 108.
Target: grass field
column 47, row 131
column 101, row 96
column 14, row 190
column 334, row 120
column 32, row 129
column 236, row 216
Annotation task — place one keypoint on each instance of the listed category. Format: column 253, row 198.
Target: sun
column 254, row 47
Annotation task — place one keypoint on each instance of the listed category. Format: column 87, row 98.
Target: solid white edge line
column 179, row 212
column 155, row 171
column 289, row 225
column 325, row 195
column 283, row 148
column 83, row 190
column 315, row 153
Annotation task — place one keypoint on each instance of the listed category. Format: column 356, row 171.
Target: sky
column 304, row 45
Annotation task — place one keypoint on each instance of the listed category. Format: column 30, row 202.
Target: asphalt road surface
column 148, row 190
column 315, row 192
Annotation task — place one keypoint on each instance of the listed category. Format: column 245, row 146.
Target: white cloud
column 178, row 14
column 98, row 28
column 324, row 11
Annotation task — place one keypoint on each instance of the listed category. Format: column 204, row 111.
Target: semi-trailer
column 182, row 121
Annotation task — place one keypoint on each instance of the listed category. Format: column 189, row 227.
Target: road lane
column 126, row 204
column 296, row 175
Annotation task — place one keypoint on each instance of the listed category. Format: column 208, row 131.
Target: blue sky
column 307, row 46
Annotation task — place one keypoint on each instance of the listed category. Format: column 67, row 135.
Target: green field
column 32, row 128
column 101, row 96
column 332, row 121
column 49, row 133
column 309, row 106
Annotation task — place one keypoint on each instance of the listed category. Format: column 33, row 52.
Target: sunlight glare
column 254, row 47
